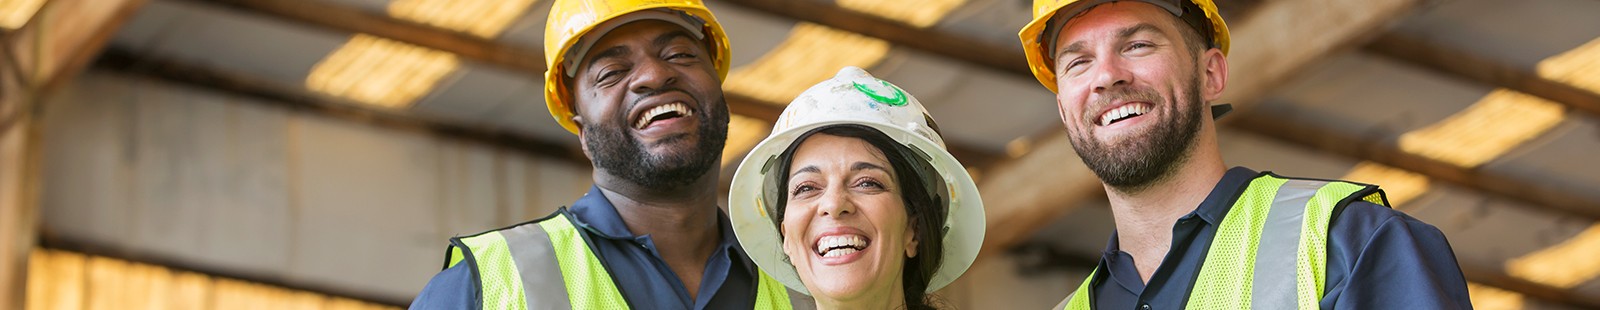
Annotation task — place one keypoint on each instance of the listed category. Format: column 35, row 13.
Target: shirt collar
column 1216, row 204
column 596, row 213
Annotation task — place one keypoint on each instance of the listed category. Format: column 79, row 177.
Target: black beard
column 615, row 150
column 1144, row 159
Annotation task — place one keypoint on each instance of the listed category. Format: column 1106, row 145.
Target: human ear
column 911, row 242
column 1214, row 74
column 583, row 141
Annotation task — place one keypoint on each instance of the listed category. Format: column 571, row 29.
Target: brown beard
column 1144, row 158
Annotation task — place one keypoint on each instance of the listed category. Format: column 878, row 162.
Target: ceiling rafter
column 1006, row 59
column 523, row 60
column 1459, row 62
column 1378, row 147
column 298, row 99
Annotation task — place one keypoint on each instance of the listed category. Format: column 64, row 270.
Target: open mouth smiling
column 840, row 245
column 1121, row 113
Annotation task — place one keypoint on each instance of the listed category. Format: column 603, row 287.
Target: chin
column 840, row 290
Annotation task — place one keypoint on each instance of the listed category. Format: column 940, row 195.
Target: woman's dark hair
column 919, row 184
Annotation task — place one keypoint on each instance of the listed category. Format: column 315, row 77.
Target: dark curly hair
column 919, row 185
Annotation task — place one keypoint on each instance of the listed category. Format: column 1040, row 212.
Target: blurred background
column 316, row 154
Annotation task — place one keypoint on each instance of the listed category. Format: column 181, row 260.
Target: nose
column 1109, row 73
column 652, row 75
column 835, row 203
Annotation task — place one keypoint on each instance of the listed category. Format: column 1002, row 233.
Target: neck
column 1145, row 218
column 893, row 298
column 665, row 213
column 681, row 222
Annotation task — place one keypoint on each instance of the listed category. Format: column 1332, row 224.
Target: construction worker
column 1133, row 82
column 640, row 83
column 853, row 199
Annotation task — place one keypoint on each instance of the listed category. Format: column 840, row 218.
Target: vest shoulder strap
column 1274, row 217
column 545, row 263
column 548, row 264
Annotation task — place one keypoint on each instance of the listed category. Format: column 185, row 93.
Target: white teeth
column 839, row 252
column 1123, row 112
column 647, row 116
column 840, row 245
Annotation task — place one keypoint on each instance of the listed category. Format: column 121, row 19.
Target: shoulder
column 493, row 246
column 452, row 288
column 1370, row 217
column 1362, row 228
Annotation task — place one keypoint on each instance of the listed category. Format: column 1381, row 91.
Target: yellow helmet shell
column 571, row 20
column 1033, row 41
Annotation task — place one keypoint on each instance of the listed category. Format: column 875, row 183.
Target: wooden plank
column 66, row 35
column 1002, row 58
column 1458, row 62
column 352, row 20
column 298, row 99
column 19, row 162
column 192, row 286
column 528, row 61
column 1285, row 127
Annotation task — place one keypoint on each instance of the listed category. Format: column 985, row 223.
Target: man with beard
column 639, row 82
column 1134, row 80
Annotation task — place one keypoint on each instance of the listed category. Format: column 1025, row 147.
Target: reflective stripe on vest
column 514, row 265
column 1297, row 213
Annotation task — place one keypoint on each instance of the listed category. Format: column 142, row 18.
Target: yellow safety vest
column 1275, row 217
column 514, row 268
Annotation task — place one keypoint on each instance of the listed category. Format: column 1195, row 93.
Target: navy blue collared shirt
column 634, row 263
column 1378, row 258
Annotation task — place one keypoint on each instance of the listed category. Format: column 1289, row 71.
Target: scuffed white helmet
column 854, row 97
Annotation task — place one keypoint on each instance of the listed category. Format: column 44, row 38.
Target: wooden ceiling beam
column 46, row 52
column 296, row 98
column 526, row 61
column 1000, row 58
column 63, row 37
column 1380, row 147
column 346, row 19
column 1460, row 62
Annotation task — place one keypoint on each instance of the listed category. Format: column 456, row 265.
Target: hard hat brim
column 758, row 233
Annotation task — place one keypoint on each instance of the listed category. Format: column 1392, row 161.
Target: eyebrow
column 866, row 165
column 669, row 36
column 1123, row 34
column 618, row 51
column 613, row 52
column 811, row 169
column 856, row 167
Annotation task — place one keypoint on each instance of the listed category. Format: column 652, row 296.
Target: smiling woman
column 854, row 200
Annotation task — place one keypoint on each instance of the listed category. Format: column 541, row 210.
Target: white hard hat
column 854, row 97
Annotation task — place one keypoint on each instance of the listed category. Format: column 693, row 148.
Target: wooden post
column 18, row 182
column 42, row 55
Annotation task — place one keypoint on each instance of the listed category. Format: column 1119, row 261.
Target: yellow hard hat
column 567, row 36
column 1038, row 36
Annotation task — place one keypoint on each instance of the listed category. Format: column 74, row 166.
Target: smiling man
column 640, row 83
column 1134, row 81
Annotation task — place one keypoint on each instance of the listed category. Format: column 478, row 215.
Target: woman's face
column 845, row 227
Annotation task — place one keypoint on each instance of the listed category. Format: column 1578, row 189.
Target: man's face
column 1129, row 92
column 649, row 105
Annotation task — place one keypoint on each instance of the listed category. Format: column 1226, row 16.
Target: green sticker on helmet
column 898, row 98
